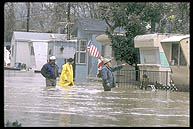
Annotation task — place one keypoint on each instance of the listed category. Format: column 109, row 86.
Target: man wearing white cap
column 107, row 74
column 50, row 71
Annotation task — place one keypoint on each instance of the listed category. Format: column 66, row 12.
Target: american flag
column 94, row 52
column 92, row 49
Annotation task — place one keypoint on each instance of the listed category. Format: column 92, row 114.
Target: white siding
column 68, row 52
column 23, row 53
column 40, row 50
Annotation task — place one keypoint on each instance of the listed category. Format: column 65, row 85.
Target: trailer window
column 175, row 48
column 150, row 56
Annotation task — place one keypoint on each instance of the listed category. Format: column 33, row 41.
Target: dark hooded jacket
column 49, row 71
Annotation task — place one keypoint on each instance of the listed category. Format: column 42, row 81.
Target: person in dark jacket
column 107, row 74
column 50, row 71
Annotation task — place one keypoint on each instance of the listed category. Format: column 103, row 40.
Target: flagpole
column 92, row 49
column 88, row 62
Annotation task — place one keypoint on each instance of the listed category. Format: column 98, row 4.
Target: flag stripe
column 97, row 54
column 95, row 51
column 92, row 49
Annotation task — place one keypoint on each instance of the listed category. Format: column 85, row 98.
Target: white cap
column 52, row 58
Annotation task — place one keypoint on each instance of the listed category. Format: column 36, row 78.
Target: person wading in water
column 107, row 74
column 66, row 78
column 50, row 72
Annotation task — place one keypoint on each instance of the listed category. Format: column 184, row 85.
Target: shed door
column 40, row 50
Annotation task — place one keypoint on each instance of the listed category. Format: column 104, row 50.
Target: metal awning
column 175, row 38
column 148, row 40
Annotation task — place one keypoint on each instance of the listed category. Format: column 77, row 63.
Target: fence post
column 118, row 75
column 166, row 78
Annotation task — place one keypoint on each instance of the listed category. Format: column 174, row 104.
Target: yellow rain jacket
column 66, row 77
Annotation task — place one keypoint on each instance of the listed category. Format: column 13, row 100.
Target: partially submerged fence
column 135, row 77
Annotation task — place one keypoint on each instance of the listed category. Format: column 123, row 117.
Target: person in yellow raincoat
column 66, row 77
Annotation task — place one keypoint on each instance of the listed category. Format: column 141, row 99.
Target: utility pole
column 68, row 22
column 28, row 15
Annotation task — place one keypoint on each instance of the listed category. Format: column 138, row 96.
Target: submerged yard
column 27, row 100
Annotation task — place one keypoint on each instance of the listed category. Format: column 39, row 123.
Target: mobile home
column 152, row 56
column 177, row 50
column 31, row 48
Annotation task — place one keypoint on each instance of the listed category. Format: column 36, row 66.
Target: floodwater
column 27, row 100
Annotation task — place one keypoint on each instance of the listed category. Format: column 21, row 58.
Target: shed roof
column 175, row 38
column 92, row 24
column 88, row 24
column 37, row 36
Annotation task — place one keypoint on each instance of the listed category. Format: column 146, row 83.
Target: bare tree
column 9, row 21
column 28, row 15
column 47, row 16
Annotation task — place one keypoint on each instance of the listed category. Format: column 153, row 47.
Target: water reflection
column 27, row 100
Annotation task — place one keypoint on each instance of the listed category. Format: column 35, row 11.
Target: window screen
column 150, row 56
column 82, row 57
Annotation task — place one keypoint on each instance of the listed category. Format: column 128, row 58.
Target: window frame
column 178, row 54
column 79, row 51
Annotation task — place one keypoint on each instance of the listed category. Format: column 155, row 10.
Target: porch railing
column 135, row 77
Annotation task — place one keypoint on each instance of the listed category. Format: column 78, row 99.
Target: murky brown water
column 27, row 100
